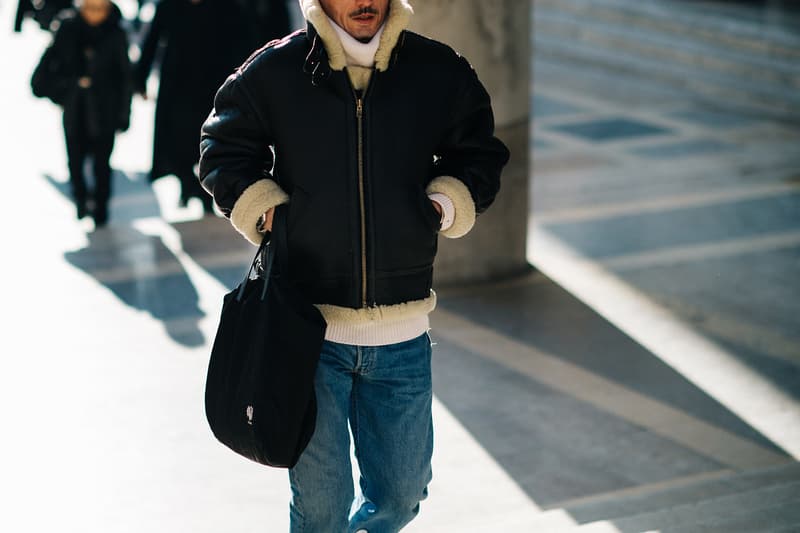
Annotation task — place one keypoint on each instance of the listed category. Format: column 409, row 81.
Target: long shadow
column 144, row 274
column 748, row 288
column 137, row 268
column 214, row 245
column 131, row 195
column 557, row 447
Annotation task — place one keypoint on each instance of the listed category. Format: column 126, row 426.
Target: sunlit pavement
column 581, row 394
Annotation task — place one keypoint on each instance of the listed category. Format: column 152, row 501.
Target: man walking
column 379, row 139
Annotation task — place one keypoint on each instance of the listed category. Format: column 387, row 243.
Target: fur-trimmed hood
column 400, row 12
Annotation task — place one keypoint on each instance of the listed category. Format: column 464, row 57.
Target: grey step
column 691, row 76
column 584, row 67
column 661, row 46
column 706, row 512
column 701, row 21
column 614, row 507
column 746, row 91
column 781, row 517
column 714, row 56
column 623, row 88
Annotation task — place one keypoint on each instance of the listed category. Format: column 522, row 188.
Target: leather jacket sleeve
column 469, row 151
column 234, row 147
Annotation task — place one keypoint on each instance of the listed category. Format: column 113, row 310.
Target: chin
column 365, row 36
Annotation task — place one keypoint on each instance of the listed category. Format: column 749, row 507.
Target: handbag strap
column 280, row 237
column 273, row 243
column 263, row 260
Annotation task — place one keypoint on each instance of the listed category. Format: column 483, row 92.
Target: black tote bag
column 259, row 396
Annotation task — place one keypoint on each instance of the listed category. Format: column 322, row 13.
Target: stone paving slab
column 614, row 236
column 106, row 340
column 610, row 129
column 704, row 223
column 556, row 447
column 543, row 315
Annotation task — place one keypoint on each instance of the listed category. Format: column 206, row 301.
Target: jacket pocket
column 432, row 217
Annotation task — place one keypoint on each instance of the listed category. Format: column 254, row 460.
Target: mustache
column 364, row 11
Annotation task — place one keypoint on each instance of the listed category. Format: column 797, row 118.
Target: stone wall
column 494, row 35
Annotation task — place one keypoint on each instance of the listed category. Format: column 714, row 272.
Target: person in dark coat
column 204, row 41
column 43, row 11
column 268, row 19
column 137, row 18
column 87, row 72
column 23, row 8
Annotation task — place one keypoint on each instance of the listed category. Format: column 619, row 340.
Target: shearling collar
column 400, row 12
column 357, row 53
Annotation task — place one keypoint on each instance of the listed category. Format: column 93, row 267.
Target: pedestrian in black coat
column 204, row 41
column 87, row 72
column 268, row 19
column 23, row 7
column 43, row 11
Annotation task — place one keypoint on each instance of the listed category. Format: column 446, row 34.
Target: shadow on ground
column 557, row 447
column 138, row 269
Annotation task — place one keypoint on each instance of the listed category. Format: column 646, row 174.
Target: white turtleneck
column 357, row 53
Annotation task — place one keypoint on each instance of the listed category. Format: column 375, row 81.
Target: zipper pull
column 359, row 107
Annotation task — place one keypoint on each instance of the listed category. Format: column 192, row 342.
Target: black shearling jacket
column 361, row 229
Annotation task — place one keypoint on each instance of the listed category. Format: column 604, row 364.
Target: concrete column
column 494, row 35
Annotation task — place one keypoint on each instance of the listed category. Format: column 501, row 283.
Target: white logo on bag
column 249, row 413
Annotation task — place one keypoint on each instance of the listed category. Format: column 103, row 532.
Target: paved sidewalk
column 680, row 224
column 548, row 410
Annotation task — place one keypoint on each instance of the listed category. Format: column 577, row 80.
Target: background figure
column 44, row 11
column 86, row 70
column 137, row 21
column 23, row 7
column 203, row 43
column 268, row 19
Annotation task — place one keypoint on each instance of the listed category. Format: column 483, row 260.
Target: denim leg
column 393, row 432
column 322, row 480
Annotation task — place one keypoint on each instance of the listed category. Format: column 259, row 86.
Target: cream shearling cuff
column 399, row 15
column 462, row 201
column 256, row 200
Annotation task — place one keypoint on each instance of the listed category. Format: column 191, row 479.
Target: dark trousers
column 191, row 188
column 80, row 146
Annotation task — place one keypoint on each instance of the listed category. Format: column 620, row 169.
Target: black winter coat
column 202, row 44
column 268, row 20
column 426, row 116
column 101, row 53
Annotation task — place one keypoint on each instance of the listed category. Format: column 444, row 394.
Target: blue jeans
column 385, row 392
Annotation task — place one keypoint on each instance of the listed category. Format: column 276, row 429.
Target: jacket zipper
column 361, row 200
